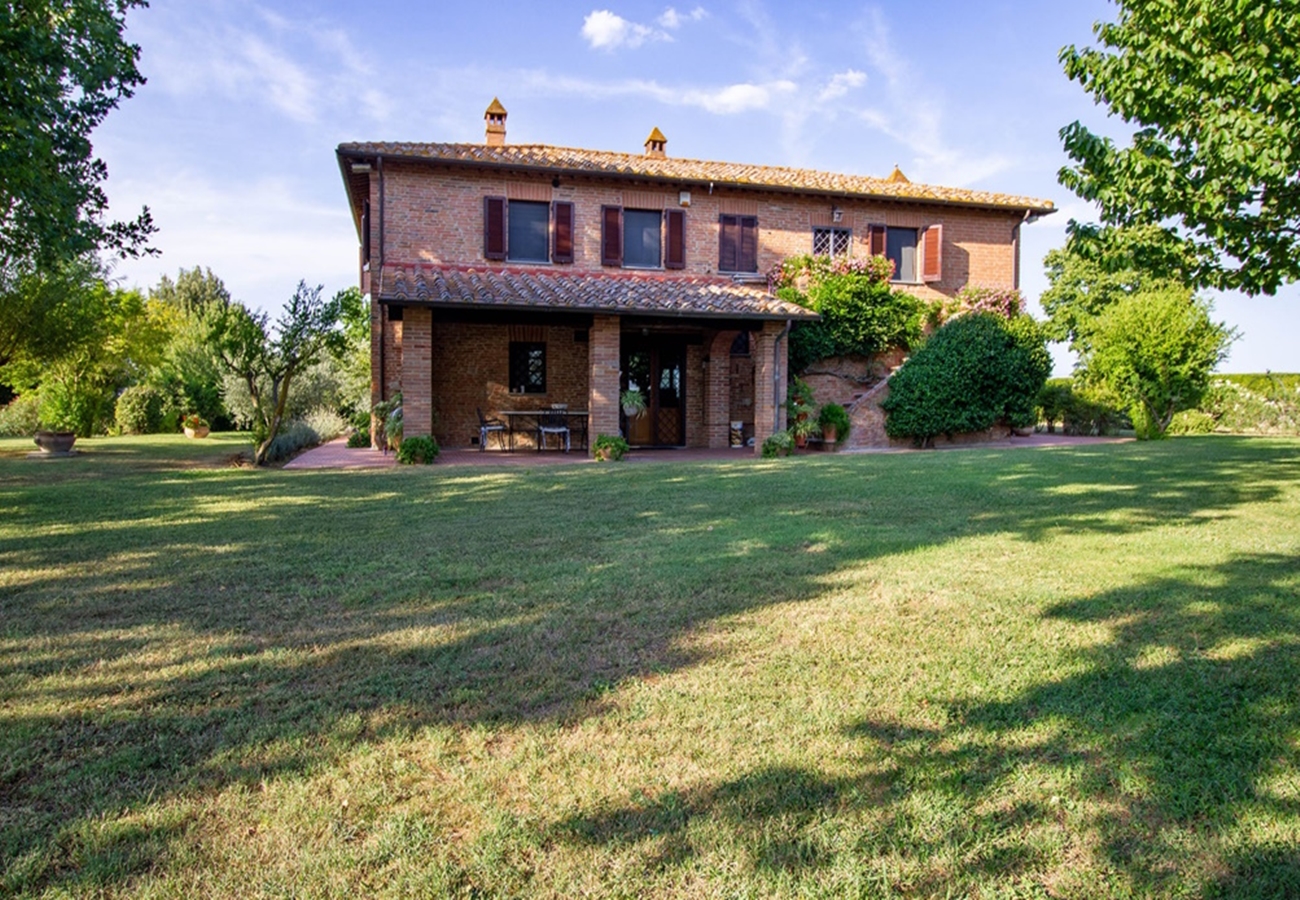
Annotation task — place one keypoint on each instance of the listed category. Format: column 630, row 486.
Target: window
column 641, row 229
column 900, row 247
column 642, row 238
column 832, row 242
column 917, row 253
column 527, row 367
column 527, row 231
column 737, row 243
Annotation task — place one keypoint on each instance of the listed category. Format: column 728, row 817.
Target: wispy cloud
column 671, row 18
column 722, row 100
column 840, row 84
column 605, row 30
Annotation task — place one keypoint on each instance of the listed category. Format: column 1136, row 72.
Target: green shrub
column 68, row 406
column 1274, row 409
column 139, row 410
column 326, row 423
column 1191, row 421
column 1089, row 413
column 420, row 450
column 21, row 417
column 610, row 447
column 832, row 415
column 975, row 371
column 1052, row 401
column 358, row 439
column 779, row 444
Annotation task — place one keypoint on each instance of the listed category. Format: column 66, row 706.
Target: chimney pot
column 654, row 145
column 495, row 117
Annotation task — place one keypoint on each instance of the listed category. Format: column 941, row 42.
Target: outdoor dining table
column 571, row 417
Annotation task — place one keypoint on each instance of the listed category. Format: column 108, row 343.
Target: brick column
column 376, row 369
column 603, row 357
column 417, row 372
column 717, row 396
column 769, row 415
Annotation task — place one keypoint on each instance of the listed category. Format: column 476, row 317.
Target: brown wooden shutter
column 365, row 232
column 611, row 235
column 728, row 243
column 876, row 245
column 675, row 245
column 748, row 244
column 561, row 232
column 494, row 227
column 932, row 249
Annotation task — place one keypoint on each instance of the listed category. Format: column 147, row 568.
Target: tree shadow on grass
column 285, row 605
column 1169, row 757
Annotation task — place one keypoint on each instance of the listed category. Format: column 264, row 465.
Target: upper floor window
column 917, row 253
column 833, row 242
column 527, row 230
column 737, row 243
column 642, row 238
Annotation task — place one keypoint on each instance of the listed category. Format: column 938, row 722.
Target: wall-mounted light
column 684, row 198
column 359, row 168
column 837, row 214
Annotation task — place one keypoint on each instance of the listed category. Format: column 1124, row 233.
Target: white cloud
column 725, row 100
column 671, row 18
column 605, row 30
column 841, row 83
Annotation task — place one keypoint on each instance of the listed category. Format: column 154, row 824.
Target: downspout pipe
column 776, row 377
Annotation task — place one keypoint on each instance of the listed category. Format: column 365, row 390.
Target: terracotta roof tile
column 622, row 293
column 601, row 162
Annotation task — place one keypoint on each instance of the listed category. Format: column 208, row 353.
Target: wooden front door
column 658, row 370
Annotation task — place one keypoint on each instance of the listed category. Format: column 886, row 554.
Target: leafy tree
column 65, row 66
column 190, row 368
column 975, row 371
column 1098, row 266
column 194, row 290
column 1211, row 89
column 267, row 359
column 1154, row 351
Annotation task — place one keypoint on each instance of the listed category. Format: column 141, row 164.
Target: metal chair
column 488, row 426
column 556, row 422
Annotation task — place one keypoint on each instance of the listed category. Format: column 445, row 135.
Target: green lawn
column 1071, row 672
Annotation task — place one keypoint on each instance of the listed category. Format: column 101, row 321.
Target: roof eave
column 692, row 182
column 390, row 299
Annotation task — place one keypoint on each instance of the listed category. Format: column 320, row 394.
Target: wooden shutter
column 932, row 250
column 876, row 245
column 728, row 243
column 611, row 235
column 748, row 244
column 365, row 232
column 494, row 227
column 675, row 245
column 561, row 232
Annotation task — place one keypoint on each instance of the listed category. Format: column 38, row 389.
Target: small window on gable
column 527, row 367
column 641, row 238
column 900, row 247
column 529, row 231
column 836, row 243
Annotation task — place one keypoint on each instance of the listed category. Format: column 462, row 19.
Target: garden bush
column 975, row 371
column 140, row 410
column 1191, row 421
column 1254, row 404
column 610, row 447
column 779, row 444
column 358, row 439
column 21, row 417
column 418, row 450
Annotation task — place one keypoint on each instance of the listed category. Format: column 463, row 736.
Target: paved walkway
column 337, row 455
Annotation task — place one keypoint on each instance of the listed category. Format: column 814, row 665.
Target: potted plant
column 56, row 433
column 834, row 422
column 609, row 447
column 803, row 428
column 194, row 426
column 633, row 402
column 799, row 399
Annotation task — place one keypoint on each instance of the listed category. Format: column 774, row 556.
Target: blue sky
column 231, row 141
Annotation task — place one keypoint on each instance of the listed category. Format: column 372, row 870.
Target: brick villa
column 507, row 278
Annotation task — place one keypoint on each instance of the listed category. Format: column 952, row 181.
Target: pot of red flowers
column 194, row 426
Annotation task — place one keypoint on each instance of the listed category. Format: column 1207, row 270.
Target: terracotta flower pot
column 830, row 434
column 200, row 431
column 56, row 441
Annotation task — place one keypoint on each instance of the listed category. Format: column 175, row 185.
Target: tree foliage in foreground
column 1213, row 88
column 65, row 66
column 1154, row 351
column 267, row 359
column 975, row 371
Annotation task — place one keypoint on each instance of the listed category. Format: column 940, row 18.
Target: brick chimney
column 654, row 145
column 496, row 124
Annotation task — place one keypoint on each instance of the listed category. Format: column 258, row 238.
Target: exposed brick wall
column 434, row 215
column 717, row 390
column 417, row 372
column 769, row 412
column 603, row 354
column 472, row 371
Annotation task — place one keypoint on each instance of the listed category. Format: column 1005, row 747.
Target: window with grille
column 832, row 242
column 527, row 368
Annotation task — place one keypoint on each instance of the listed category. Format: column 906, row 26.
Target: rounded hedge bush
column 140, row 410
column 417, row 450
column 975, row 371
